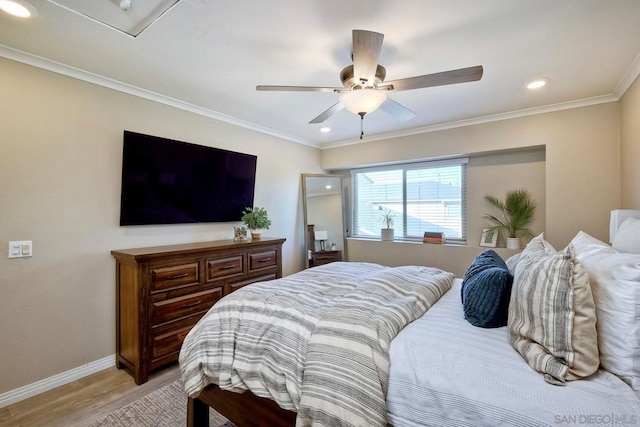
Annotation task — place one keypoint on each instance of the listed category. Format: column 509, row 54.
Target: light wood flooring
column 83, row 401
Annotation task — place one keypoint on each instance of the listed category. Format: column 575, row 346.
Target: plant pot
column 513, row 243
column 387, row 234
column 255, row 234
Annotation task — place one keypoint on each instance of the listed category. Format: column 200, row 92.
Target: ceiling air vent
column 131, row 17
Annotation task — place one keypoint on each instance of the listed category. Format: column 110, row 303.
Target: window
column 428, row 196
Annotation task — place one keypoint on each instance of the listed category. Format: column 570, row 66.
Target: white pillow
column 627, row 239
column 512, row 262
column 615, row 282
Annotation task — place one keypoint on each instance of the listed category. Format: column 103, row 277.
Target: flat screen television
column 172, row 182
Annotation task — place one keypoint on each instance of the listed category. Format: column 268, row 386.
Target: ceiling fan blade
column 461, row 75
column 366, row 52
column 328, row 113
column 299, row 88
column 399, row 111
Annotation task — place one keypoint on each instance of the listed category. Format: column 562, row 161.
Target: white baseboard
column 29, row 390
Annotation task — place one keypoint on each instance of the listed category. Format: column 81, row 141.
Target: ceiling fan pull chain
column 361, row 124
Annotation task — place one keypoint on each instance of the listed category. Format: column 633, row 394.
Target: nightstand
column 324, row 257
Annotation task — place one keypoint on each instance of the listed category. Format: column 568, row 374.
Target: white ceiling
column 207, row 56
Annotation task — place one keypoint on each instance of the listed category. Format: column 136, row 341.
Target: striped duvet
column 316, row 342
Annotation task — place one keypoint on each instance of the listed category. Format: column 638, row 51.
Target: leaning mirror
column 323, row 218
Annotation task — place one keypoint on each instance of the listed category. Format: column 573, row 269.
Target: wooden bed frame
column 243, row 410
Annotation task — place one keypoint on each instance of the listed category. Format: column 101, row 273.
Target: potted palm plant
column 387, row 219
column 256, row 219
column 516, row 213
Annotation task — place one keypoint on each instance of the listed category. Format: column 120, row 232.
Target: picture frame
column 489, row 238
column 239, row 234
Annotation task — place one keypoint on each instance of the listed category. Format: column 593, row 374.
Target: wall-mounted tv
column 172, row 182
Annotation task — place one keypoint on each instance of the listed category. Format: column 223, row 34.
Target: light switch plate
column 20, row 248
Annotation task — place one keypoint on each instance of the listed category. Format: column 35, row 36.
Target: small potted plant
column 256, row 219
column 387, row 220
column 516, row 213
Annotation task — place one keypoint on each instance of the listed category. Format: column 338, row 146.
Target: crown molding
column 629, row 77
column 56, row 67
column 479, row 120
column 76, row 73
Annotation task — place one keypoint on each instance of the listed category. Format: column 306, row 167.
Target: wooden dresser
column 162, row 291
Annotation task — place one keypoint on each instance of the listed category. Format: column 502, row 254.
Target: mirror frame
column 307, row 244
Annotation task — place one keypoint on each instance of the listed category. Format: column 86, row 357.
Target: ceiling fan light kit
column 363, row 100
column 364, row 89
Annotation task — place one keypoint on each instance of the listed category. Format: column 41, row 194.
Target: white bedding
column 446, row 372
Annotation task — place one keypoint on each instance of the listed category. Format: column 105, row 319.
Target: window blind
column 426, row 196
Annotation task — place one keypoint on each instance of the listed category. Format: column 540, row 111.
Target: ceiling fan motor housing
column 348, row 80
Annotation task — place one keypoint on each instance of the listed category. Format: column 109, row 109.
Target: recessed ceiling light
column 536, row 84
column 328, row 186
column 325, row 129
column 19, row 8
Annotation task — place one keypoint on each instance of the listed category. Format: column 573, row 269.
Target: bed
column 441, row 370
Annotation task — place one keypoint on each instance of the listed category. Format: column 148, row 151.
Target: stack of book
column 433, row 237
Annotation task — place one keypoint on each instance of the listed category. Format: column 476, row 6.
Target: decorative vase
column 387, row 234
column 513, row 243
column 255, row 234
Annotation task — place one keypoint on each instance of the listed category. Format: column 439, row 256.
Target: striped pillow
column 552, row 320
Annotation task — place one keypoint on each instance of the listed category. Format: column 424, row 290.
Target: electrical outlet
column 20, row 248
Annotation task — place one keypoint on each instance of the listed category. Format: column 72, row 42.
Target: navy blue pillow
column 486, row 290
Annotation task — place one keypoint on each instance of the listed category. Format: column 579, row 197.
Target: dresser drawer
column 163, row 278
column 225, row 267
column 258, row 260
column 168, row 343
column 175, row 308
column 230, row 287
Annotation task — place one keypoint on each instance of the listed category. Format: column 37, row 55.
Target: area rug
column 165, row 407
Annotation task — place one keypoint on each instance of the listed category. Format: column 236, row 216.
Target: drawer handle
column 265, row 259
column 228, row 267
column 191, row 304
column 177, row 276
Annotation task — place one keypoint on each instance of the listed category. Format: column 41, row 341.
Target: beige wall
column 497, row 173
column 630, row 148
column 60, row 166
column 451, row 258
column 582, row 155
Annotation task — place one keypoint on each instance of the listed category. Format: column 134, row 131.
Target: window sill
column 417, row 242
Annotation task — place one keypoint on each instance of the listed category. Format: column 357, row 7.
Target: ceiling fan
column 364, row 89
